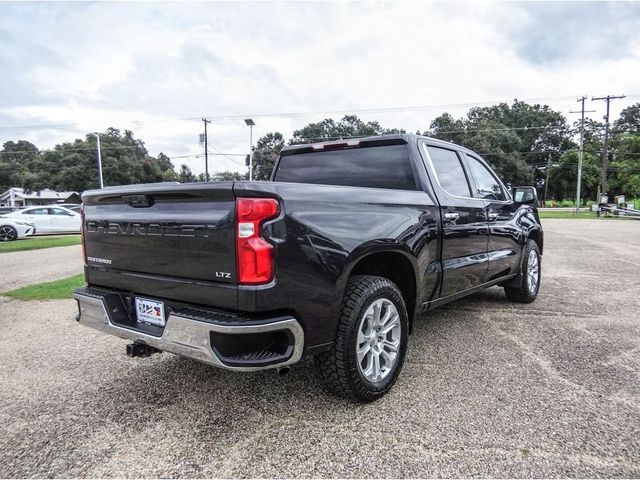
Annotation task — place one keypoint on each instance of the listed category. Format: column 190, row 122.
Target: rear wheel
column 530, row 274
column 7, row 233
column 371, row 340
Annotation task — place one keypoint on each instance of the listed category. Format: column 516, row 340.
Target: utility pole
column 99, row 159
column 546, row 182
column 581, row 152
column 206, row 151
column 605, row 153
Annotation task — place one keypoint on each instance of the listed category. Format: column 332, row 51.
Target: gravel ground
column 20, row 269
column 490, row 388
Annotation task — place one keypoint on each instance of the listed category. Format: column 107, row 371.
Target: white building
column 17, row 197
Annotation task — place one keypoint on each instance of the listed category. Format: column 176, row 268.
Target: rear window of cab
column 387, row 166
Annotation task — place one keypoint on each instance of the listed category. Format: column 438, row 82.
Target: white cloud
column 144, row 66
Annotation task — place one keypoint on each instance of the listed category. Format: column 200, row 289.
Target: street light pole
column 250, row 123
column 99, row 159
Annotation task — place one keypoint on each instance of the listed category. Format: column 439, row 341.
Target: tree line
column 524, row 143
column 72, row 166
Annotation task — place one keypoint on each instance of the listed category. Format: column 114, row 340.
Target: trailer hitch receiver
column 141, row 350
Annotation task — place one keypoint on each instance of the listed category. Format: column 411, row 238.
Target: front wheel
column 371, row 340
column 7, row 233
column 530, row 274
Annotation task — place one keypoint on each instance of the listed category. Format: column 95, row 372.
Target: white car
column 49, row 219
column 12, row 229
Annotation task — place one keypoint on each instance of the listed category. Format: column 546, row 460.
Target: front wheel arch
column 537, row 236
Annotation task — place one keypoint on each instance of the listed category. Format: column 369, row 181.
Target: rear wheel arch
column 395, row 266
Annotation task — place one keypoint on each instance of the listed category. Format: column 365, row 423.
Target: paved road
column 34, row 266
column 490, row 388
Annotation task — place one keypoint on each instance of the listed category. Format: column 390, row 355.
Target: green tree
column 73, row 165
column 629, row 121
column 265, row 154
column 624, row 175
column 514, row 139
column 228, row 176
column 164, row 163
column 328, row 129
column 563, row 178
column 16, row 161
column 185, row 175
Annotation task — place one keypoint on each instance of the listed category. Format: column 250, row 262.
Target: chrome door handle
column 451, row 215
column 493, row 216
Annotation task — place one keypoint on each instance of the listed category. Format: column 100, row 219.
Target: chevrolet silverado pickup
column 349, row 243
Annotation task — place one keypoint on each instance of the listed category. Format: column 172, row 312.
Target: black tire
column 339, row 367
column 8, row 233
column 522, row 293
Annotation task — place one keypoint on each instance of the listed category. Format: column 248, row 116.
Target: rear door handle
column 493, row 216
column 451, row 215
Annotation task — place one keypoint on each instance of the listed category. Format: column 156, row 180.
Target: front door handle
column 451, row 215
column 493, row 216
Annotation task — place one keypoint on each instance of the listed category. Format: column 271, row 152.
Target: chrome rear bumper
column 190, row 337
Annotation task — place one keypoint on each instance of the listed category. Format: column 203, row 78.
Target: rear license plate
column 150, row 311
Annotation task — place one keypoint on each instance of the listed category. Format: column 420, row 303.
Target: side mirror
column 526, row 195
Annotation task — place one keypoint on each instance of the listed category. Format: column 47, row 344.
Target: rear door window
column 386, row 166
column 58, row 211
column 449, row 170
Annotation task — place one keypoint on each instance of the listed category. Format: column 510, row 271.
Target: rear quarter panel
column 320, row 235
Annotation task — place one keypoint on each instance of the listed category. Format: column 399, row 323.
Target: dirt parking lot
column 489, row 388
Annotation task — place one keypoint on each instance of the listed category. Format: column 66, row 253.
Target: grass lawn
column 58, row 289
column 549, row 213
column 34, row 243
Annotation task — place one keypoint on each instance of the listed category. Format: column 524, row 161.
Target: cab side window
column 36, row 211
column 487, row 185
column 449, row 170
column 58, row 211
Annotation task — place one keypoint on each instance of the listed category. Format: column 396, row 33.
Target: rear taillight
column 82, row 235
column 255, row 254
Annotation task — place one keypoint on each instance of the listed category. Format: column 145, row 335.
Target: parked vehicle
column 11, row 229
column 74, row 207
column 49, row 219
column 5, row 210
column 336, row 257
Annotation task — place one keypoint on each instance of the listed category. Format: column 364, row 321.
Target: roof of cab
column 406, row 137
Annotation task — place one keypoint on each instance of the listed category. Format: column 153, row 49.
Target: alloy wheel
column 533, row 272
column 7, row 234
column 378, row 340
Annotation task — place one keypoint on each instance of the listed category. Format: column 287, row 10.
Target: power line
column 197, row 155
column 228, row 157
column 310, row 113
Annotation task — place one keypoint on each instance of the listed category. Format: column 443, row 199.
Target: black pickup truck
column 335, row 257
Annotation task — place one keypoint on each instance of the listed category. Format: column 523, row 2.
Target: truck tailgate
column 169, row 232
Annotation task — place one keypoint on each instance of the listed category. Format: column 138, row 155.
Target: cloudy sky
column 156, row 68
